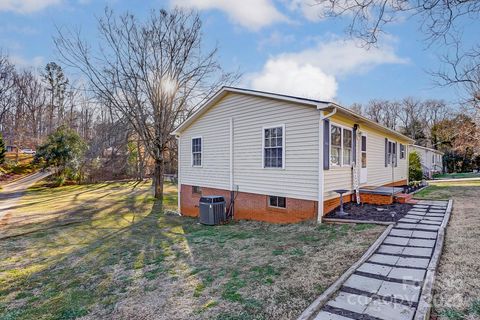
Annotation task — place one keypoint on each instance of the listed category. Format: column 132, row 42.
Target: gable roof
column 428, row 149
column 319, row 104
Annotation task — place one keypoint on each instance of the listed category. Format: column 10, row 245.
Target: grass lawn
column 457, row 175
column 457, row 286
column 107, row 251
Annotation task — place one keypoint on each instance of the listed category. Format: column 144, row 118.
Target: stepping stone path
column 388, row 285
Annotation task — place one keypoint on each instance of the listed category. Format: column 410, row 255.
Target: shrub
column 415, row 172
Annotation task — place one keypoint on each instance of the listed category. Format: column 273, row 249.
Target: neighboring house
column 431, row 160
column 280, row 156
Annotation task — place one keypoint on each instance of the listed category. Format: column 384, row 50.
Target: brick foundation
column 249, row 206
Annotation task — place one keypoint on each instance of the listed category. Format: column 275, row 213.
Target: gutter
column 321, row 173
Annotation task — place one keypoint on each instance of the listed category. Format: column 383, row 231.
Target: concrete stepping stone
column 409, row 220
column 374, row 269
column 350, row 302
column 434, row 215
column 382, row 258
column 363, row 283
column 413, row 262
column 389, row 310
column 401, row 233
column 421, row 243
column 390, row 249
column 426, row 227
column 405, row 225
column 435, row 223
column 407, row 274
column 440, row 219
column 424, row 234
column 422, row 252
column 402, row 291
column 396, row 240
column 324, row 315
column 412, row 217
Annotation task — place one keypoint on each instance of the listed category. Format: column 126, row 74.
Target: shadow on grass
column 59, row 270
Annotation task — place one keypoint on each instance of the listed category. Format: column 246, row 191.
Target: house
column 280, row 156
column 432, row 160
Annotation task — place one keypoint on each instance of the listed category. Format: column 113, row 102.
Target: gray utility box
column 212, row 210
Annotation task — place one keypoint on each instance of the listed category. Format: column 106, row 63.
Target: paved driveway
column 11, row 192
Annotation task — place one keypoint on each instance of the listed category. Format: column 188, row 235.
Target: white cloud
column 251, row 14
column 288, row 76
column 26, row 6
column 314, row 72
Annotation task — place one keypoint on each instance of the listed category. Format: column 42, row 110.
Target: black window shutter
column 386, row 152
column 395, row 152
column 354, row 142
column 326, row 144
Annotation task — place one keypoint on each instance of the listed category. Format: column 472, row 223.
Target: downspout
column 232, row 192
column 321, row 173
column 179, row 184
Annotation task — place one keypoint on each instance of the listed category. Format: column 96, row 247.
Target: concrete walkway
column 11, row 192
column 388, row 285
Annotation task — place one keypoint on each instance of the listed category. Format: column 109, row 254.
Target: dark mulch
column 370, row 212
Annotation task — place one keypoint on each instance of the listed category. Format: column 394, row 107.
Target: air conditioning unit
column 212, row 210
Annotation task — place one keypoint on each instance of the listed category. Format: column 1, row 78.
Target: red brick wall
column 377, row 199
column 249, row 206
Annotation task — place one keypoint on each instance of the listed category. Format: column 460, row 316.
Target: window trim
column 392, row 153
column 197, row 193
column 401, row 151
column 201, row 152
column 283, row 146
column 342, row 127
column 276, row 207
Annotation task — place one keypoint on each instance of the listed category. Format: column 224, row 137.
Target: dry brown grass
column 125, row 259
column 457, row 286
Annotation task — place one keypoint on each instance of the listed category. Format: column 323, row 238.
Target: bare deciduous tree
column 7, row 84
column 368, row 18
column 151, row 73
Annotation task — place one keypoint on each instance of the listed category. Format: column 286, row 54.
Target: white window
column 335, row 145
column 274, row 147
column 347, row 147
column 277, row 202
column 340, row 146
column 197, row 152
column 364, row 151
column 402, row 151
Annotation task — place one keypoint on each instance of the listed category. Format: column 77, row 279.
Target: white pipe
column 179, row 184
column 231, row 155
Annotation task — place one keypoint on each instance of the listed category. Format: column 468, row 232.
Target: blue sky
column 279, row 46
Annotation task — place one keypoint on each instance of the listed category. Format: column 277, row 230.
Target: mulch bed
column 370, row 212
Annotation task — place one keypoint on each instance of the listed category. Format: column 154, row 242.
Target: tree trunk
column 158, row 179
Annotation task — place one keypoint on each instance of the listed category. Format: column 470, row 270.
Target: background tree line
column 433, row 124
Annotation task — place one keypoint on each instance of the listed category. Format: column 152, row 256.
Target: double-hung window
column 340, row 145
column 402, row 151
column 274, row 147
column 197, row 152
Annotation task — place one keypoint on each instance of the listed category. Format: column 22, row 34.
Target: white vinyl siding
column 299, row 177
column 377, row 174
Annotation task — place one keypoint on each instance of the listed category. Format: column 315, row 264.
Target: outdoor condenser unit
column 212, row 210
